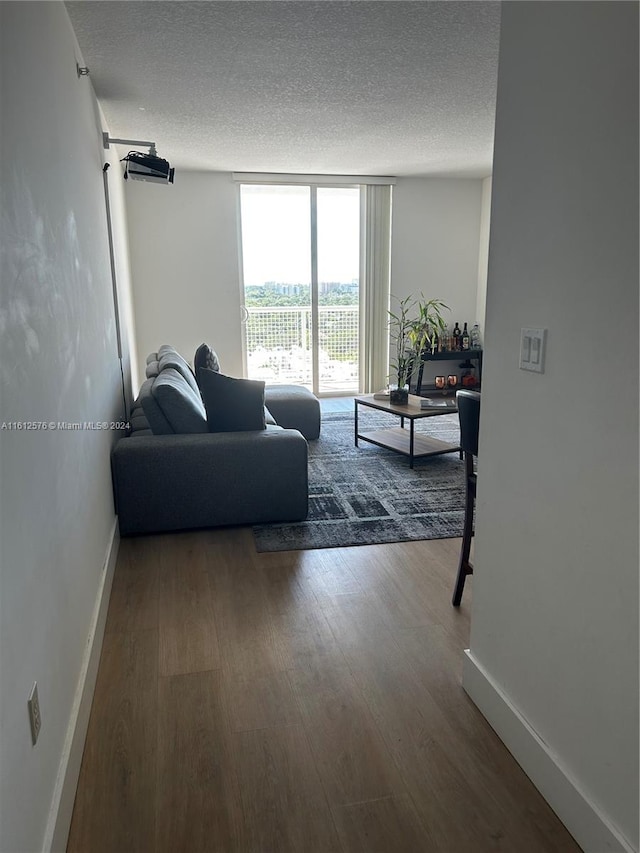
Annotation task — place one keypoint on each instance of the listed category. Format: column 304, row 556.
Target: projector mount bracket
column 107, row 140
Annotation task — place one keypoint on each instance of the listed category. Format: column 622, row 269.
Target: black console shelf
column 449, row 355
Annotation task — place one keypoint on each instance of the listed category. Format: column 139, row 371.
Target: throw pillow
column 206, row 357
column 233, row 405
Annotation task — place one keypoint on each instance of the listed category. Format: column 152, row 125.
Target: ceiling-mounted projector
column 146, row 167
column 143, row 167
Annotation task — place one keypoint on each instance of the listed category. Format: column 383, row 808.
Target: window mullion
column 315, row 341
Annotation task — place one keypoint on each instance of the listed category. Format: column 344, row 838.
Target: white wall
column 183, row 243
column 483, row 255
column 435, row 242
column 58, row 362
column 554, row 641
column 435, row 246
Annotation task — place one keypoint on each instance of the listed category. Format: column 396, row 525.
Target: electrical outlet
column 33, row 704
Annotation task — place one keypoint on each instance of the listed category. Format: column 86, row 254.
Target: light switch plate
column 533, row 345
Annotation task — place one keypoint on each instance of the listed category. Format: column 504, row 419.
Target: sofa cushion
column 180, row 404
column 294, row 407
column 152, row 369
column 233, row 405
column 158, row 423
column 164, row 348
column 138, row 421
column 206, row 357
column 170, row 358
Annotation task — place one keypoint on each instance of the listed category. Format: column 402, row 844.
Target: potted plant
column 431, row 322
column 413, row 328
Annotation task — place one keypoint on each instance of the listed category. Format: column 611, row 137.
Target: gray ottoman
column 294, row 407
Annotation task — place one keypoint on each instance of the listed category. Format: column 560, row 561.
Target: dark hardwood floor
column 301, row 701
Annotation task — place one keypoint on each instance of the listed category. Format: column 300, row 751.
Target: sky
column 276, row 240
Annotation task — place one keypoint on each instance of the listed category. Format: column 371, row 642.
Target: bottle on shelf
column 444, row 342
column 476, row 340
column 464, row 339
column 455, row 338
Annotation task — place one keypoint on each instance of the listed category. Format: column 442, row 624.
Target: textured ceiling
column 362, row 88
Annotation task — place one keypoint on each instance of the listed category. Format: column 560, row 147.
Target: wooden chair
column 468, row 403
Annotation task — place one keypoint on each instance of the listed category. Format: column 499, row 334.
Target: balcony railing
column 279, row 342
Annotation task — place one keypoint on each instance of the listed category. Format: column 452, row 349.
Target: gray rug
column 367, row 495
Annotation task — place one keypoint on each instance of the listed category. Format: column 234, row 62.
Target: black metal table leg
column 355, row 420
column 411, row 443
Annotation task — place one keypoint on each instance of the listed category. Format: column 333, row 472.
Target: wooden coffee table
column 401, row 439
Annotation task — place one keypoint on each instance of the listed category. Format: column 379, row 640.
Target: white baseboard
column 582, row 817
column 59, row 822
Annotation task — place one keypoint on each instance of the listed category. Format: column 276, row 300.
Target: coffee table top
column 413, row 408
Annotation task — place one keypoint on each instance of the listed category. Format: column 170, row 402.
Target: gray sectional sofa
column 172, row 473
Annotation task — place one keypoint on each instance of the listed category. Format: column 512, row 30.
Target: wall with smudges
column 58, row 363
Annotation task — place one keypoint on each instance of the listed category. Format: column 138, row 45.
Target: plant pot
column 399, row 396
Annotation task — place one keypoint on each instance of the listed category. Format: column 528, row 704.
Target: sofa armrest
column 176, row 482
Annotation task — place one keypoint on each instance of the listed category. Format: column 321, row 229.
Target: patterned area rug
column 367, row 495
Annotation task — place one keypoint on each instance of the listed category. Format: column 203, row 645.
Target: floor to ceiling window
column 316, row 275
column 301, row 251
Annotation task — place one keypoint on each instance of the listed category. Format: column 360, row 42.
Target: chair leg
column 464, row 566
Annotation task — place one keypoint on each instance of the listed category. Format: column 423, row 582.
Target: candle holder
column 452, row 380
